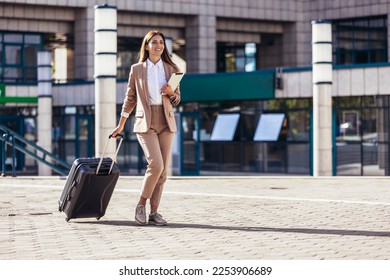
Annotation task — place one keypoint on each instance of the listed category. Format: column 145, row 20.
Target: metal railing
column 18, row 142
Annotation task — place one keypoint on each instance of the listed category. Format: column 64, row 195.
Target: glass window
column 269, row 127
column 30, row 74
column 12, row 73
column 250, row 54
column 62, row 46
column 128, row 49
column 13, row 55
column 31, row 55
column 18, row 56
column 30, row 129
column 32, row 39
column 236, row 57
column 13, row 38
column 1, row 53
column 362, row 136
column 225, row 127
column 362, row 40
column 298, row 125
column 70, row 128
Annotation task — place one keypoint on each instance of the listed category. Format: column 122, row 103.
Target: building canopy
column 227, row 86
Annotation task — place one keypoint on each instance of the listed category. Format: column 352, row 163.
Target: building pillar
column 322, row 98
column 45, row 103
column 105, row 76
column 201, row 37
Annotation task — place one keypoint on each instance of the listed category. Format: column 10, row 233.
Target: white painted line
column 225, row 195
column 280, row 198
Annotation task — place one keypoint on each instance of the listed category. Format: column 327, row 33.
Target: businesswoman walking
column 155, row 125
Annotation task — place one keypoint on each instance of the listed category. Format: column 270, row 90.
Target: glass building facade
column 237, row 95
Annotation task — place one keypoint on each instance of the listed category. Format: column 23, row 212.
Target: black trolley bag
column 89, row 186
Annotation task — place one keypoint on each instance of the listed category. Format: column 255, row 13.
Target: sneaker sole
column 140, row 223
column 156, row 224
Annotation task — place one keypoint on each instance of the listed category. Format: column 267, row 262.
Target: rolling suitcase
column 89, row 186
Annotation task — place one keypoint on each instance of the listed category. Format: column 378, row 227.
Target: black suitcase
column 89, row 186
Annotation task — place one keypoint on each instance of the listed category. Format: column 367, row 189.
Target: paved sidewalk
column 273, row 218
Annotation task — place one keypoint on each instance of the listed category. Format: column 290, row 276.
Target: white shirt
column 156, row 80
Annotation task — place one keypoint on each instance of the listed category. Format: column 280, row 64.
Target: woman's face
column 155, row 45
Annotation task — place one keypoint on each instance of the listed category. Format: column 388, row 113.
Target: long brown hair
column 165, row 56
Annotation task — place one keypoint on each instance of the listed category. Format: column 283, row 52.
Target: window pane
column 1, row 53
column 13, row 38
column 362, row 40
column 30, row 55
column 298, row 158
column 225, row 127
column 13, row 54
column 30, row 74
column 230, row 62
column 30, row 129
column 348, row 159
column 124, row 62
column 234, row 57
column 32, row 39
column 12, row 73
column 70, row 129
column 269, row 127
column 240, row 64
column 298, row 125
column 250, row 64
column 250, row 49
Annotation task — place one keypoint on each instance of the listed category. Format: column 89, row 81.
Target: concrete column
column 105, row 76
column 45, row 103
column 201, row 37
column 322, row 98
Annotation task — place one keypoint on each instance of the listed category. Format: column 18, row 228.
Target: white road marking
column 224, row 195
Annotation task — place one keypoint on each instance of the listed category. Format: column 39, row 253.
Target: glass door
column 84, row 136
column 190, row 163
column 14, row 123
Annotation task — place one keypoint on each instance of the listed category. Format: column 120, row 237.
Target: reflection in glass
column 13, row 55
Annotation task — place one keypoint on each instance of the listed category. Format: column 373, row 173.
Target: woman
column 155, row 125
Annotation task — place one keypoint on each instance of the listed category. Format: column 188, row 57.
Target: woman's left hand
column 167, row 90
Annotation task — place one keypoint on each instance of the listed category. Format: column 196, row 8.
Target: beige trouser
column 157, row 146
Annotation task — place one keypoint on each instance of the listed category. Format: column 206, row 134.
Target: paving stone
column 274, row 218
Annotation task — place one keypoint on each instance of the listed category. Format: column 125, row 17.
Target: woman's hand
column 167, row 90
column 117, row 131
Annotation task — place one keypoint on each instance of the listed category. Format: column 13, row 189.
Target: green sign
column 15, row 99
column 2, row 90
column 227, row 86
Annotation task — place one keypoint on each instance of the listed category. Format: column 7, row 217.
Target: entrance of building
column 14, row 123
column 84, row 136
column 190, row 144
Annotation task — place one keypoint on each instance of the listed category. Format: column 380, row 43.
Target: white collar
column 150, row 64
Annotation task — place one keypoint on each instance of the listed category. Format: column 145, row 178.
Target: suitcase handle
column 104, row 151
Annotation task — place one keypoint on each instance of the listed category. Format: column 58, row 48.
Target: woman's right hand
column 116, row 131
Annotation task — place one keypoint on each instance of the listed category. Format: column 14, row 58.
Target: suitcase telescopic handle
column 104, row 151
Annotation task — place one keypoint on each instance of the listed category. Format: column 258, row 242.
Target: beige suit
column 138, row 96
column 155, row 126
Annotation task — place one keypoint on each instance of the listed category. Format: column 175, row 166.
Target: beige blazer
column 137, row 96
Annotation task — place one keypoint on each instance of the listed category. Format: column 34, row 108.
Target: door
column 84, row 136
column 190, row 145
column 14, row 123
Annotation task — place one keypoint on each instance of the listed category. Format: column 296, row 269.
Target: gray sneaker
column 140, row 214
column 157, row 220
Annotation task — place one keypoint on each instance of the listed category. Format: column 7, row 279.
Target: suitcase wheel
column 98, row 218
column 67, row 219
